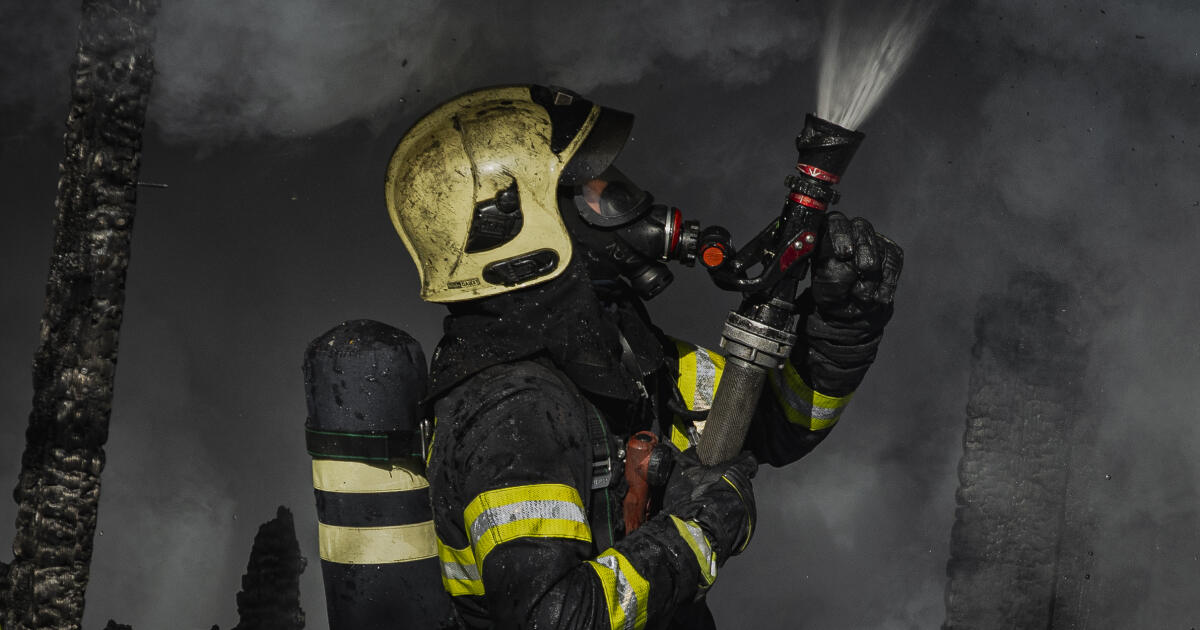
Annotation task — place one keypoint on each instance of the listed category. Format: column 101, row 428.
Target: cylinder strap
column 374, row 447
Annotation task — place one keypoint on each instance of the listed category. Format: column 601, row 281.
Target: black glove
column 854, row 278
column 718, row 498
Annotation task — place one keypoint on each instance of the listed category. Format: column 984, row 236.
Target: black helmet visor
column 598, row 150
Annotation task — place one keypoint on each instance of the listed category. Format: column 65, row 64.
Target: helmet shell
column 468, row 150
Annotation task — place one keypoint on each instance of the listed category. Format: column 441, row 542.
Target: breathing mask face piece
column 610, row 199
column 625, row 233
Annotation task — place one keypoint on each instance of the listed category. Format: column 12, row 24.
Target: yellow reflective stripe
column 801, row 404
column 694, row 536
column 699, row 375
column 548, row 510
column 679, row 435
column 625, row 590
column 460, row 575
column 432, row 439
column 687, row 372
column 531, row 528
column 749, row 520
column 819, row 400
column 376, row 545
column 358, row 477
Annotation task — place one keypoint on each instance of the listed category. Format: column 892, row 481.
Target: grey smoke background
column 1064, row 138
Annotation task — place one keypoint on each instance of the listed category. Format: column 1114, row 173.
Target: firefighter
column 508, row 202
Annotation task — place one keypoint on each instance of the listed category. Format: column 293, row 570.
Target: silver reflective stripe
column 521, row 510
column 802, row 405
column 706, row 380
column 458, row 571
column 626, row 596
column 697, row 535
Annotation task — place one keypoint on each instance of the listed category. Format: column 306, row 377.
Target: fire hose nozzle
column 825, row 149
column 758, row 336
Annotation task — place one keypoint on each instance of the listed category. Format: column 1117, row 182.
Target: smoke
column 863, row 51
column 38, row 40
column 234, row 69
column 1023, row 134
column 230, row 68
column 168, row 536
column 1084, row 165
column 1155, row 33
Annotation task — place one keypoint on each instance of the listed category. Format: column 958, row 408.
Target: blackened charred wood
column 59, row 486
column 1019, row 542
column 270, row 595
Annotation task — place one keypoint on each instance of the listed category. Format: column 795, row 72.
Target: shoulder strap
column 602, row 457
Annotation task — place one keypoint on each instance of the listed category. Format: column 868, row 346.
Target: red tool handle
column 637, row 461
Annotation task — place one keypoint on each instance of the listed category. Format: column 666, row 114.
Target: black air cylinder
column 363, row 381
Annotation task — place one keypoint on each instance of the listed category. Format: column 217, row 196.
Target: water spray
column 860, row 61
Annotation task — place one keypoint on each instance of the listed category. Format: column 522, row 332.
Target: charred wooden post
column 59, row 485
column 1018, row 551
column 270, row 595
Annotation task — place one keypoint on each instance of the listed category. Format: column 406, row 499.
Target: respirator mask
column 625, row 235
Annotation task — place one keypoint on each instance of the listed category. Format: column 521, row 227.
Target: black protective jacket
column 531, row 391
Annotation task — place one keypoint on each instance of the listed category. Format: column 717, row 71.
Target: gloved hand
column 854, row 278
column 855, row 272
column 718, row 498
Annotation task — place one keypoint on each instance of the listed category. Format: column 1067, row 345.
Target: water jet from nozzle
column 862, row 54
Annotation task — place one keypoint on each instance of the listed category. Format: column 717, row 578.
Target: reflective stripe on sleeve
column 535, row 511
column 749, row 519
column 679, row 434
column 698, row 542
column 626, row 591
column 699, row 374
column 460, row 575
column 803, row 406
column 429, row 447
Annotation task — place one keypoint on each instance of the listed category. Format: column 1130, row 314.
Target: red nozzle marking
column 818, row 173
column 807, row 201
column 713, row 255
column 805, row 242
column 676, row 228
column 799, row 248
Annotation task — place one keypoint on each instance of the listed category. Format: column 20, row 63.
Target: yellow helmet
column 472, row 187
